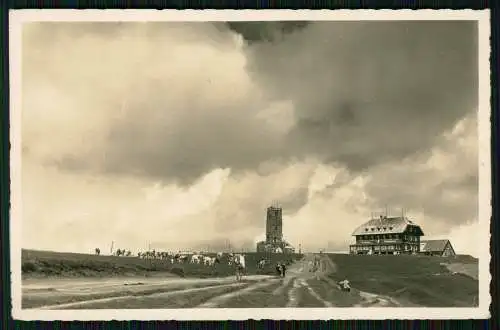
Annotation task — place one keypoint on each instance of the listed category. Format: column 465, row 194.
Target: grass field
column 419, row 280
column 56, row 264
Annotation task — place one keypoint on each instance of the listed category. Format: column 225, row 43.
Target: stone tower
column 274, row 225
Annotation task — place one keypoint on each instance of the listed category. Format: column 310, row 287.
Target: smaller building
column 438, row 247
column 282, row 247
column 262, row 246
column 287, row 248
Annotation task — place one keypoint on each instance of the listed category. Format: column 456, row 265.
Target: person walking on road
column 278, row 269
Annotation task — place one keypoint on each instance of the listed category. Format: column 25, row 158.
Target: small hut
column 437, row 247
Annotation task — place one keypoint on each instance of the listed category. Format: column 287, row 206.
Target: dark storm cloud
column 189, row 147
column 369, row 92
column 259, row 31
column 364, row 93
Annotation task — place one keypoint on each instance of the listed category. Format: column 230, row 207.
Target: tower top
column 275, row 205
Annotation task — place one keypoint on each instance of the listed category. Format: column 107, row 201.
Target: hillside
column 56, row 264
column 412, row 280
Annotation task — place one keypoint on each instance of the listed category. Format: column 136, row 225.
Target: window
column 390, row 228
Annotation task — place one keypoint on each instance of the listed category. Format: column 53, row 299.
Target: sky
column 179, row 135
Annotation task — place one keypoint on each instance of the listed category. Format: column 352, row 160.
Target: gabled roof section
column 386, row 225
column 436, row 245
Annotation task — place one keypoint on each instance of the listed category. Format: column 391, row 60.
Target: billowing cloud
column 179, row 135
column 442, row 184
column 369, row 92
column 437, row 189
column 165, row 101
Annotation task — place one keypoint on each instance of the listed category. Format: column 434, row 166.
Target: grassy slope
column 418, row 280
column 46, row 263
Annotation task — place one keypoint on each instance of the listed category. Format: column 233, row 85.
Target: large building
column 387, row 235
column 274, row 242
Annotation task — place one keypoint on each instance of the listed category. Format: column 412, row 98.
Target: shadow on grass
column 54, row 264
column 421, row 280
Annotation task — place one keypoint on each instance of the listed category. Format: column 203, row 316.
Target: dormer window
column 390, row 228
column 366, row 229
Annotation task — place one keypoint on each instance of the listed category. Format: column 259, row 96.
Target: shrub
column 28, row 267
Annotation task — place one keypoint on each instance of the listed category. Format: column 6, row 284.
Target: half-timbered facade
column 387, row 235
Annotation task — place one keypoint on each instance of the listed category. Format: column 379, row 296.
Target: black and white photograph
column 250, row 164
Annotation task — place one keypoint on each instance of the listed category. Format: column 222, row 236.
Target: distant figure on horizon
column 97, row 251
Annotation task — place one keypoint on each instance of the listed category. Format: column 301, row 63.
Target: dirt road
column 301, row 287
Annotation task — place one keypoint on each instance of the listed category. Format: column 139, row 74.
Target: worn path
column 302, row 287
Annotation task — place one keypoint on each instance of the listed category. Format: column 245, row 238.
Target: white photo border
column 18, row 17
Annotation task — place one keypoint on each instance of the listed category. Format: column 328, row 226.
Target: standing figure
column 278, row 269
column 97, row 251
column 239, row 261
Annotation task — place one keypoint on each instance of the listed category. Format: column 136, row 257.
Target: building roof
column 436, row 245
column 386, row 225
